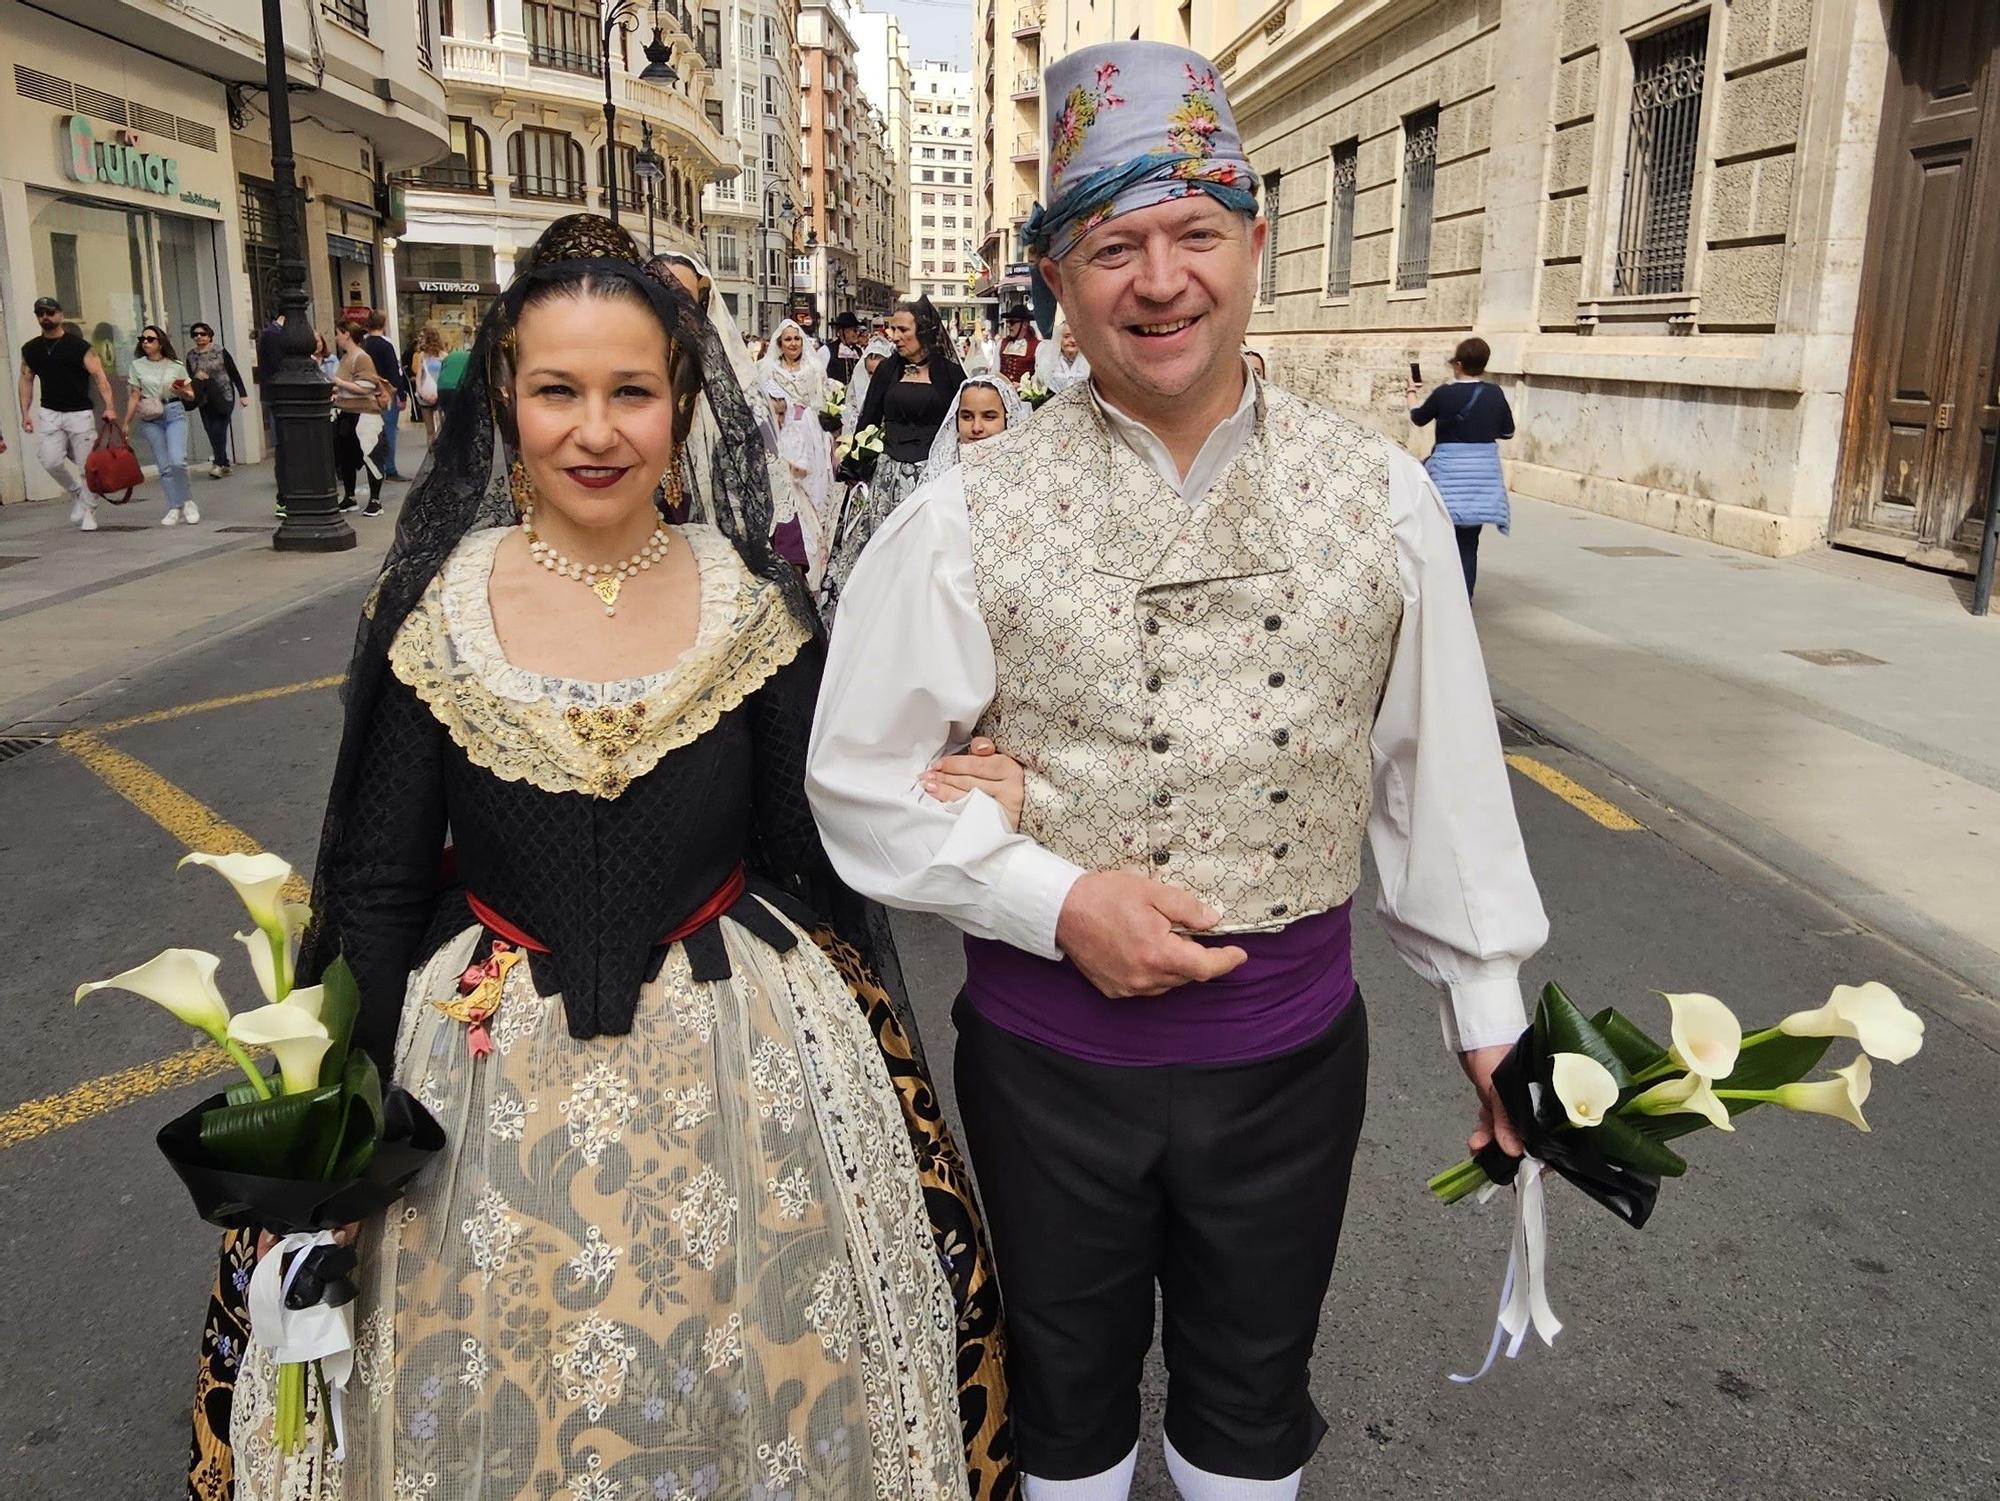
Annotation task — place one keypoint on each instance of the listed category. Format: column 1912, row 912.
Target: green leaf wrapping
column 1565, row 1029
column 290, row 1136
column 245, row 1092
column 337, row 1012
column 1622, row 1140
column 1637, row 1050
column 362, row 1100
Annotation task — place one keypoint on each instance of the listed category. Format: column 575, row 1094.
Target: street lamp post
column 298, row 392
column 651, row 170
column 621, row 17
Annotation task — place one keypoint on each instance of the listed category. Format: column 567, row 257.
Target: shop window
column 626, row 182
column 546, row 164
column 469, row 168
column 1267, row 272
column 563, row 34
column 1413, row 226
column 1658, row 215
column 351, row 13
column 257, row 204
column 1341, row 168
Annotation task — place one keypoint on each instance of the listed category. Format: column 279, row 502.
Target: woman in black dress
column 911, row 396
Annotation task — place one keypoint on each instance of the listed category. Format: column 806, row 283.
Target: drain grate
column 1837, row 656
column 18, row 745
column 1631, row 552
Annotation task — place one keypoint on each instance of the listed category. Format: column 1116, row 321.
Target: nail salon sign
column 119, row 162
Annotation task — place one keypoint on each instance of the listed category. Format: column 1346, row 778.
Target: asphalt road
column 1810, row 1314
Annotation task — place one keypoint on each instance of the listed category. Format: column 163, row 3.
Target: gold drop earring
column 671, row 481
column 521, row 487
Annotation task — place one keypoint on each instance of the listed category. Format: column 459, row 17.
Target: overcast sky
column 937, row 29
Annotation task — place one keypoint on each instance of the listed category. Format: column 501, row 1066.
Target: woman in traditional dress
column 985, row 407
column 699, row 1229
column 799, row 371
column 1059, row 363
column 910, row 398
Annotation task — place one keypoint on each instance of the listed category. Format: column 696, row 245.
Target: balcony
column 548, row 189
column 450, row 177
column 802, row 273
column 1027, row 148
column 350, row 13
column 1027, row 86
column 1027, row 22
column 1024, row 205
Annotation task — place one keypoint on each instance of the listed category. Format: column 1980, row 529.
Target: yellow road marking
column 194, row 823
column 101, row 1096
column 230, row 701
column 1579, row 797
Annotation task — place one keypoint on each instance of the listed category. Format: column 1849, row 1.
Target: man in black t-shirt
column 62, row 423
column 383, row 355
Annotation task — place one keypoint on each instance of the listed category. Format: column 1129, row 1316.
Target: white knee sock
column 1114, row 1484
column 1197, row 1484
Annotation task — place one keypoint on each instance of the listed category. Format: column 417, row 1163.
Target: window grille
column 626, row 182
column 562, row 36
column 469, row 168
column 546, row 164
column 424, row 34
column 1267, row 274
column 352, row 13
column 1340, row 218
column 1413, row 234
column 1658, row 213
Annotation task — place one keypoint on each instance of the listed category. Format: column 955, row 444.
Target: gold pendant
column 606, row 586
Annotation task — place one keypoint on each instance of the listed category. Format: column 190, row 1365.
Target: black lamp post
column 651, row 172
column 297, row 391
column 621, row 17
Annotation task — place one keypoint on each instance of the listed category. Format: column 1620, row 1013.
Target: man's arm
column 27, row 385
column 95, row 366
column 1457, row 897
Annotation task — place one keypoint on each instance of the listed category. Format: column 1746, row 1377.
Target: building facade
column 136, row 185
column 1728, row 256
column 755, row 43
column 944, row 192
column 526, row 86
column 878, row 271
column 832, row 117
column 884, row 61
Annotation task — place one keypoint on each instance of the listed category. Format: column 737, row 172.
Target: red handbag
column 112, row 470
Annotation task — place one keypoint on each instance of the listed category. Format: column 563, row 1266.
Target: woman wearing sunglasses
column 219, row 386
column 159, row 381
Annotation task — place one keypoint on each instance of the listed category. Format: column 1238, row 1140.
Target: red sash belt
column 725, row 896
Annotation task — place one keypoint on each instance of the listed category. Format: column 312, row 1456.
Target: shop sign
column 1020, row 268
column 462, row 288
column 120, row 162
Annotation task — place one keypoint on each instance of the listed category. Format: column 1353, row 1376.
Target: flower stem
column 289, row 1424
column 248, row 1064
column 1455, row 1183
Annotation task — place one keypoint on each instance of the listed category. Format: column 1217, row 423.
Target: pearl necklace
column 605, row 579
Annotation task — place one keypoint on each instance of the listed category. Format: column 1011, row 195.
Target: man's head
column 1017, row 323
column 1256, row 363
column 1150, row 239
column 378, row 321
column 849, row 328
column 49, row 314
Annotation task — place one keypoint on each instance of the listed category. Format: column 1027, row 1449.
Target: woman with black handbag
column 218, row 386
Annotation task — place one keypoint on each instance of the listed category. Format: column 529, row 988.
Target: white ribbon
column 1524, row 1297
column 298, row 1335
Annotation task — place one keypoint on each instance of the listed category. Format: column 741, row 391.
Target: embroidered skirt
column 731, row 1254
column 1468, row 476
column 867, row 508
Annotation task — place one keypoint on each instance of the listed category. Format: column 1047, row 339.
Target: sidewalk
column 80, row 610
column 1873, row 779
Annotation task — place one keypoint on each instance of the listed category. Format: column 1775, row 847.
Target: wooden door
column 1923, row 412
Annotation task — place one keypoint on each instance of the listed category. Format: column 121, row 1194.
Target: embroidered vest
column 1191, row 689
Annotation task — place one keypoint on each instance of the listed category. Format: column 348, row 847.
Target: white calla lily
column 1842, row 1096
column 181, row 980
column 1706, row 1035
column 259, row 880
column 1690, row 1094
column 1585, row 1087
column 1872, row 1014
column 294, row 1034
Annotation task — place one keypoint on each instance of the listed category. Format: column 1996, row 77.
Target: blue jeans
column 167, row 436
column 389, row 438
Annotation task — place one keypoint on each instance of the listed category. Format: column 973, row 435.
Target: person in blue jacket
column 1472, row 417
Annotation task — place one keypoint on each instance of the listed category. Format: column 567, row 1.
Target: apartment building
column 884, row 61
column 944, row 194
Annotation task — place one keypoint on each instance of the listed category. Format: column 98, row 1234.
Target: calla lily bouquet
column 832, row 406
column 1032, row 391
column 303, row 1149
column 1597, row 1100
column 856, row 456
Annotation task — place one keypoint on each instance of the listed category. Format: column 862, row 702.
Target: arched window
column 469, row 168
column 628, row 178
column 546, row 164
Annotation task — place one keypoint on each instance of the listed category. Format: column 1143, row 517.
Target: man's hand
column 983, row 768
column 1493, row 1125
column 27, row 423
column 1118, row 929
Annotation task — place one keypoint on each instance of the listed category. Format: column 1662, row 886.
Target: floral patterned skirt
column 733, row 1254
column 866, row 511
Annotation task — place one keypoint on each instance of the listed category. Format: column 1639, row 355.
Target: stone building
column 1727, row 254
column 884, row 61
column 832, row 117
column 525, row 81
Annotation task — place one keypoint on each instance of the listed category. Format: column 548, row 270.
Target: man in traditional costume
column 846, row 352
column 1017, row 349
column 1224, row 631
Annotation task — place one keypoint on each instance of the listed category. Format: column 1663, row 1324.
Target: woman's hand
column 983, row 768
column 344, row 1236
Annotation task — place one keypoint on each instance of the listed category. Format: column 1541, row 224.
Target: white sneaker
column 190, row 513
column 225, row 468
column 76, row 509
column 89, row 522
column 172, row 518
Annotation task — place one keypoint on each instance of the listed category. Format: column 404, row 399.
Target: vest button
column 1161, row 857
column 1282, row 737
column 1163, row 799
column 1153, row 683
column 1160, row 744
column 1277, row 680
column 1280, row 795
column 1282, row 850
column 1152, row 625
column 1272, row 622
column 1280, row 910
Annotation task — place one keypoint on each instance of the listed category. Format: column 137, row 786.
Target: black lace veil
column 463, row 487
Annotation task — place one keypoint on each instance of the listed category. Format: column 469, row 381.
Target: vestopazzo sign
column 88, row 159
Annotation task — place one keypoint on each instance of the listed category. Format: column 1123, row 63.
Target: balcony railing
column 1027, row 146
column 562, row 38
column 352, row 13
column 448, row 177
column 424, row 54
column 1027, row 21
column 1027, row 85
column 554, row 189
column 628, row 198
column 1024, row 205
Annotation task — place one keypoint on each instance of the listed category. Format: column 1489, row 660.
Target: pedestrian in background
column 358, row 392
column 62, row 423
column 159, row 381
column 218, row 385
column 388, row 366
column 270, row 353
column 323, row 357
column 1256, row 362
column 426, row 361
column 1472, row 417
column 1060, row 364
